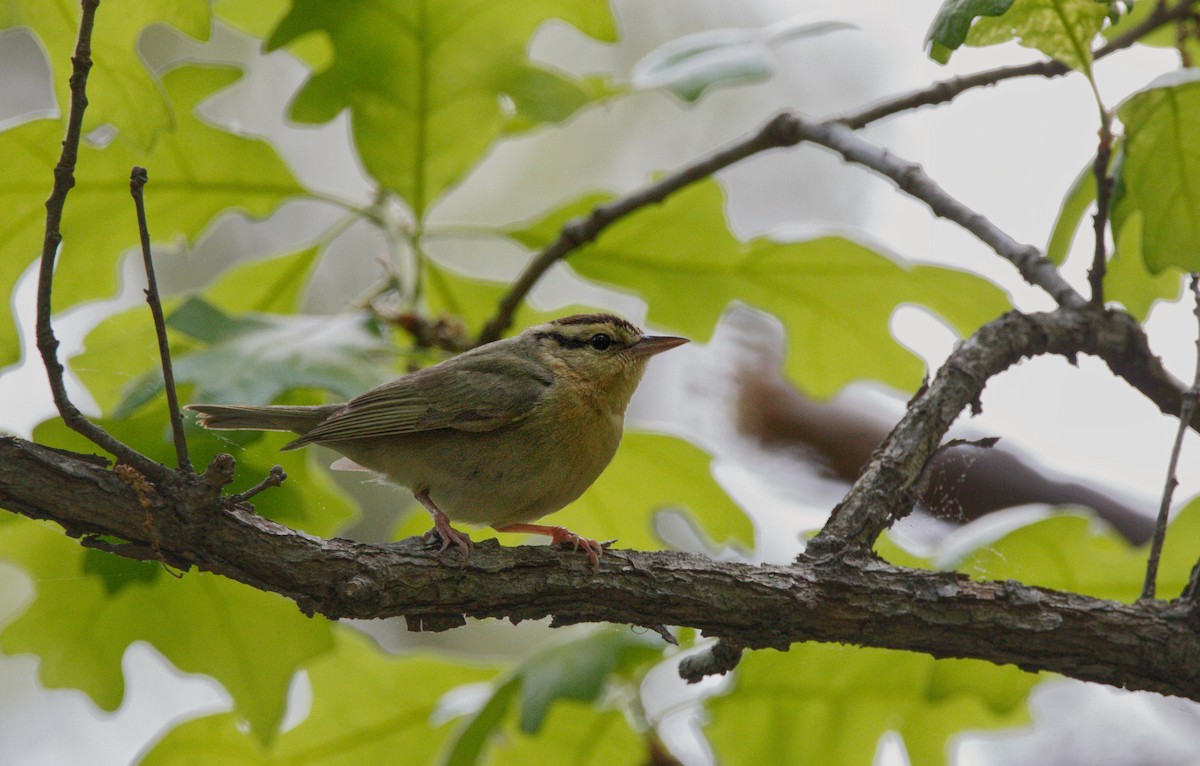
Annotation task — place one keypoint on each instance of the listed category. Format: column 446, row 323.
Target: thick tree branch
column 887, row 484
column 1150, row 645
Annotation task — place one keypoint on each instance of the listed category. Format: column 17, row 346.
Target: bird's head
column 600, row 351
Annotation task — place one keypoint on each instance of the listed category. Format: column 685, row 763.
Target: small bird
column 500, row 435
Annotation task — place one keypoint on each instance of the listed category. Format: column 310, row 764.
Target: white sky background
column 1009, row 151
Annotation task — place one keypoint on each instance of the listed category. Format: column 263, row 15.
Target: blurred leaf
column 575, row 734
column 652, row 472
column 1128, row 282
column 576, row 670
column 256, row 359
column 426, row 82
column 954, row 20
column 1079, row 200
column 829, row 704
column 1126, row 279
column 196, row 172
column 368, row 708
column 540, row 96
column 1062, row 29
column 258, row 17
column 121, row 91
column 1081, row 555
column 689, row 65
column 84, row 618
column 1160, row 170
column 834, row 296
column 119, row 363
column 1163, row 37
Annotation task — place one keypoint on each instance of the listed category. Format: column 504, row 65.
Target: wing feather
column 472, row 392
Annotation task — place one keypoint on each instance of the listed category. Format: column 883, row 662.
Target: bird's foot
column 444, row 532
column 559, row 536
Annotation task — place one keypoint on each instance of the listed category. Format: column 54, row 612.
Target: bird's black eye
column 601, row 342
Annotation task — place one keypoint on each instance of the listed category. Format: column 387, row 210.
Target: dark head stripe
column 598, row 319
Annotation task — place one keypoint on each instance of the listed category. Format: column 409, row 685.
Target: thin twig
column 1104, row 184
column 945, row 91
column 1186, row 408
column 64, row 179
column 913, row 180
column 137, row 182
column 273, row 479
column 580, row 231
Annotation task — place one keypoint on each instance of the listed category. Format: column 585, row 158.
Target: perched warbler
column 500, row 435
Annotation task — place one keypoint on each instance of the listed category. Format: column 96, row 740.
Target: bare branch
column 892, row 475
column 1190, row 399
column 580, row 231
column 911, row 179
column 137, row 183
column 64, row 179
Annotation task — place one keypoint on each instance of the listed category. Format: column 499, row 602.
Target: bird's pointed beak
column 650, row 345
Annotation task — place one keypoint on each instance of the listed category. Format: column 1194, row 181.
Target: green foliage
column 426, row 82
column 367, row 708
column 122, row 92
column 1126, row 279
column 577, row 670
column 833, row 295
column 830, row 704
column 196, row 172
column 953, row 22
column 1062, row 29
column 1160, row 170
column 87, row 614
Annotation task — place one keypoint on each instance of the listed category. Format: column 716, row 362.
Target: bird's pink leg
column 593, row 549
column 442, row 528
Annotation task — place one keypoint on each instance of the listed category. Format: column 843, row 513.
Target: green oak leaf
column 952, row 22
column 1062, row 29
column 1078, row 554
column 84, row 617
column 1159, row 172
column 829, row 704
column 121, row 91
column 544, row 687
column 196, row 172
column 367, row 708
column 834, row 296
column 1079, row 200
column 1127, row 280
column 432, row 85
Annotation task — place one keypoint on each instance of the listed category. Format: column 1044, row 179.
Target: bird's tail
column 235, row 417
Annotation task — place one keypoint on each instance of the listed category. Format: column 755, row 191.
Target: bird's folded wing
column 475, row 394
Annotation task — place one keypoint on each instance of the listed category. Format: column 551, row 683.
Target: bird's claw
column 446, row 534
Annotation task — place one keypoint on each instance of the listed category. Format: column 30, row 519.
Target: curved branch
column 944, row 614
